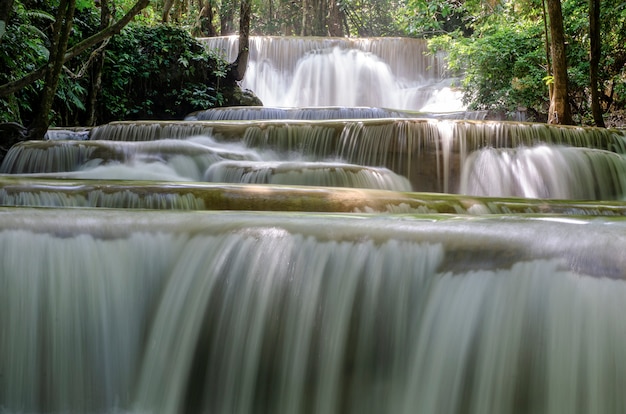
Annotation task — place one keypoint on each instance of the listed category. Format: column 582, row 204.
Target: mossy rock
column 235, row 96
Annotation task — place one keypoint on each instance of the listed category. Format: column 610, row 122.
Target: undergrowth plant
column 159, row 72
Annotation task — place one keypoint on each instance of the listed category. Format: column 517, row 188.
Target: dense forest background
column 150, row 66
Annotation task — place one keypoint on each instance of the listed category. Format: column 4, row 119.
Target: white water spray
column 385, row 72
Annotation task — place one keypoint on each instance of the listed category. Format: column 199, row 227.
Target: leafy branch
column 12, row 87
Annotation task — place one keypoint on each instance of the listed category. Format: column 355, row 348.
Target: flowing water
column 393, row 73
column 320, row 260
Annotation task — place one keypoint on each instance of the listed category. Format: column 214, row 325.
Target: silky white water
column 312, row 174
column 171, row 312
column 196, row 158
column 451, row 156
column 546, row 172
column 395, row 73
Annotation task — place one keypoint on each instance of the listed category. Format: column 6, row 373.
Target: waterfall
column 325, row 259
column 49, row 191
column 546, row 172
column 279, row 313
column 394, row 73
column 310, row 113
column 431, row 153
column 313, row 174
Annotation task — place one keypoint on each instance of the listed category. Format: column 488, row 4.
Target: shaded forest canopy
column 155, row 69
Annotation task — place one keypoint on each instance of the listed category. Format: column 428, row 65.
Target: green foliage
column 150, row 71
column 86, row 23
column 23, row 49
column 148, row 16
column 69, row 100
column 369, row 18
column 503, row 66
column 364, row 18
column 613, row 63
column 82, row 5
column 160, row 71
column 504, row 58
column 425, row 18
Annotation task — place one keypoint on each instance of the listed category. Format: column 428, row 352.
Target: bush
column 23, row 49
column 503, row 67
column 158, row 72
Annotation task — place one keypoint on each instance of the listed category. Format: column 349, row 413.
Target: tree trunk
column 320, row 11
column 560, row 112
column 305, row 29
column 547, row 45
column 180, row 7
column 167, row 7
column 595, row 51
column 98, row 65
column 335, row 19
column 227, row 14
column 6, row 6
column 204, row 24
column 61, row 34
column 314, row 18
column 238, row 68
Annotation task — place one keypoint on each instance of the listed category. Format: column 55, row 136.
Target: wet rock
column 10, row 134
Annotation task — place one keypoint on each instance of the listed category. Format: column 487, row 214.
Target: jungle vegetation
column 561, row 61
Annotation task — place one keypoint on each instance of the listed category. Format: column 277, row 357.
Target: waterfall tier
column 407, row 58
column 320, row 174
column 387, row 72
column 422, row 133
column 30, row 191
column 247, row 113
column 244, row 113
column 435, row 155
column 170, row 312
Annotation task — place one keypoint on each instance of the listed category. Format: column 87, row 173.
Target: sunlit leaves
column 84, row 4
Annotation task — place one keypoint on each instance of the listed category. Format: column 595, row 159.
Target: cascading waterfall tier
column 177, row 160
column 245, row 113
column 387, row 72
column 435, row 155
column 36, row 191
column 195, row 159
column 407, row 58
column 545, row 172
column 169, row 312
column 466, row 134
column 319, row 174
